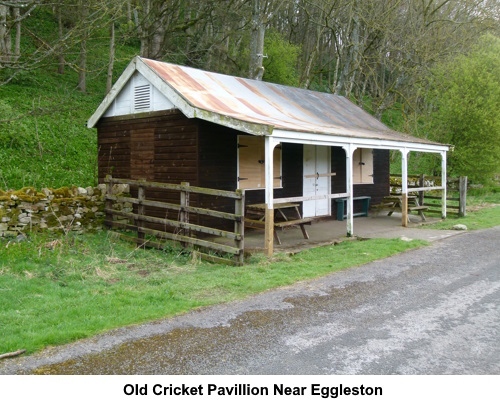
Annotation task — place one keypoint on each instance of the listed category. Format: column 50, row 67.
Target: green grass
column 482, row 210
column 486, row 217
column 54, row 291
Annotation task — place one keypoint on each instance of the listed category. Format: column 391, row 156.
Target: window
column 362, row 166
column 251, row 159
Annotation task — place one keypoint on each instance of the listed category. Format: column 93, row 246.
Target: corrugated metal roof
column 279, row 106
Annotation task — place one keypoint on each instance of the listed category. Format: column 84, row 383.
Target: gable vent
column 142, row 97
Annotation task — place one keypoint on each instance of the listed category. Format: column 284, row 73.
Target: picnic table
column 255, row 218
column 395, row 202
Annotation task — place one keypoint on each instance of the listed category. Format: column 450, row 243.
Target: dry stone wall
column 64, row 209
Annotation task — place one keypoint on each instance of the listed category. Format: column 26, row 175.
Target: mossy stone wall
column 57, row 210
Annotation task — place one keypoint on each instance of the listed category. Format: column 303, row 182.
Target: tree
column 466, row 99
column 11, row 17
column 281, row 62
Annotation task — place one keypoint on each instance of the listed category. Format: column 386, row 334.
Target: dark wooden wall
column 161, row 147
column 170, row 148
column 155, row 147
column 217, row 169
column 377, row 190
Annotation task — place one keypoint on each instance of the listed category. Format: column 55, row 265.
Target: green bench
column 341, row 209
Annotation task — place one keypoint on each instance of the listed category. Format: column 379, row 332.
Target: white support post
column 443, row 184
column 349, row 151
column 269, row 224
column 404, row 186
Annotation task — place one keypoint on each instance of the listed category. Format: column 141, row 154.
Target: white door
column 316, row 163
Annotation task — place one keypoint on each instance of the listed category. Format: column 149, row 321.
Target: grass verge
column 57, row 290
column 478, row 217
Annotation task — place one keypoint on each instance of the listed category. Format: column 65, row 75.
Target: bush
column 281, row 62
column 466, row 99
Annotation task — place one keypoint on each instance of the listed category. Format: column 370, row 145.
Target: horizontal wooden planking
column 178, row 238
column 114, row 134
column 432, row 197
column 178, row 207
column 175, row 169
column 175, row 178
column 454, row 207
column 177, row 224
column 219, row 260
column 223, row 193
column 176, row 148
column 163, row 122
column 439, row 212
column 189, row 156
column 164, row 131
column 161, row 246
column 175, row 143
column 194, row 241
column 113, row 140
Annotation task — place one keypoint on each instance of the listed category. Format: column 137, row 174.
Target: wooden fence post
column 141, row 210
column 421, row 183
column 239, row 226
column 109, row 203
column 184, row 213
column 462, row 202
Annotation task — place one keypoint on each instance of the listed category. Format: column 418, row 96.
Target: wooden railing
column 424, row 185
column 179, row 229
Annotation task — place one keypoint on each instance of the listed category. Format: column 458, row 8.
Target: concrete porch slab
column 328, row 231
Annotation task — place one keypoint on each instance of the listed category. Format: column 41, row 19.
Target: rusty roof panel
column 282, row 107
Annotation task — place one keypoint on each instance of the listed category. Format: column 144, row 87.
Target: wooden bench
column 420, row 209
column 341, row 207
column 287, row 223
column 393, row 204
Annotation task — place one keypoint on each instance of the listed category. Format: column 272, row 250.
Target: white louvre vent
column 142, row 97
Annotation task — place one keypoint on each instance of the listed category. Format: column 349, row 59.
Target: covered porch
column 350, row 141
column 329, row 231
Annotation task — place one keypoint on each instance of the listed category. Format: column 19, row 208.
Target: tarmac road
column 434, row 310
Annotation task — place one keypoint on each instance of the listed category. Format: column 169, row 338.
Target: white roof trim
column 184, row 106
column 280, row 135
column 113, row 93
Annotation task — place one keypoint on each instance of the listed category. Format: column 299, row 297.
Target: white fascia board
column 115, row 90
column 165, row 89
column 337, row 140
column 191, row 111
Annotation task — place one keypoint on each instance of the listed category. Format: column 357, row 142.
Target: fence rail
column 456, row 191
column 180, row 229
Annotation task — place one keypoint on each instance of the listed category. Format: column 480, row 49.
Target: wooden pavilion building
column 168, row 123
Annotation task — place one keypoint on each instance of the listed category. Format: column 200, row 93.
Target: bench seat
column 341, row 207
column 257, row 224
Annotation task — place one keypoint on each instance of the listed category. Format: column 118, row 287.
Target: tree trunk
column 17, row 41
column 3, row 33
column 144, row 27
column 109, row 81
column 306, row 75
column 82, row 68
column 258, row 30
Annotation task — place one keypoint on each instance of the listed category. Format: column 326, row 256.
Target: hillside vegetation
column 55, row 67
column 44, row 140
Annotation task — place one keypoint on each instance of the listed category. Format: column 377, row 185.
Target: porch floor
column 327, row 231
